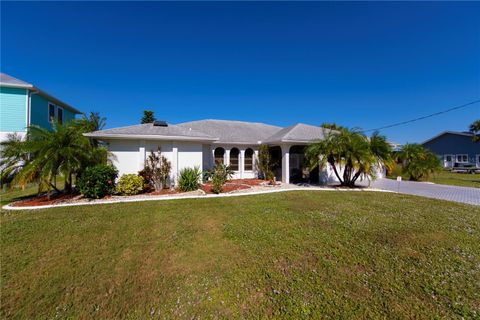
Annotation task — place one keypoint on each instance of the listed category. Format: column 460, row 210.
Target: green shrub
column 189, row 179
column 130, row 184
column 219, row 175
column 97, row 181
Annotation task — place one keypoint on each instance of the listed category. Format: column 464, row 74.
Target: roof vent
column 160, row 123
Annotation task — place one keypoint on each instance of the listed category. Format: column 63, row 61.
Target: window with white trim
column 234, row 155
column 448, row 158
column 462, row 157
column 60, row 115
column 218, row 154
column 477, row 158
column 51, row 112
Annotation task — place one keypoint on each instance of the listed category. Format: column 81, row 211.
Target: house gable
column 452, row 143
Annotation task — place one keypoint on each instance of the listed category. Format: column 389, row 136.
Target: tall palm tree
column 475, row 129
column 351, row 151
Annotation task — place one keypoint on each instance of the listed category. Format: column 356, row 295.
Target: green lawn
column 285, row 255
column 446, row 177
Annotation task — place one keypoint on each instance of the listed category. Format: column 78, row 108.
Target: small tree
column 418, row 162
column 148, row 117
column 219, row 175
column 475, row 129
column 265, row 162
column 157, row 170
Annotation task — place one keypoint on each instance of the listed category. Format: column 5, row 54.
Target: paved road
column 438, row 191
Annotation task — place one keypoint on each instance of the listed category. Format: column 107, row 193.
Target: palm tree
column 351, row 151
column 418, row 162
column 62, row 151
column 475, row 129
column 13, row 158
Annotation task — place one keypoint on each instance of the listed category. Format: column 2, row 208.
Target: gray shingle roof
column 298, row 133
column 233, row 131
column 149, row 130
column 219, row 131
column 7, row 80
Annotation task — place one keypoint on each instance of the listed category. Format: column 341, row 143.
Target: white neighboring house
column 203, row 143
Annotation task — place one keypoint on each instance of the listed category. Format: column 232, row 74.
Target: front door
column 448, row 161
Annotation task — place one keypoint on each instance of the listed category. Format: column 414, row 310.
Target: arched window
column 219, row 152
column 234, row 153
column 248, row 159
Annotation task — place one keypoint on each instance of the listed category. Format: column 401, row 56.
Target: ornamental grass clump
column 130, row 184
column 189, row 179
column 219, row 175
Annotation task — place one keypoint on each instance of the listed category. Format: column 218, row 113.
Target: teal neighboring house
column 22, row 104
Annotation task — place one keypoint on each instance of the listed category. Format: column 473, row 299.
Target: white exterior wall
column 190, row 155
column 129, row 155
column 125, row 155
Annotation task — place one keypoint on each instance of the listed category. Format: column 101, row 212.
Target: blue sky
column 358, row 64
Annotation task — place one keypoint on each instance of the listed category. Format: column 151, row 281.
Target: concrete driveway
column 430, row 190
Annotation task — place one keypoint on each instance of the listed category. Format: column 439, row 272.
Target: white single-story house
column 203, row 143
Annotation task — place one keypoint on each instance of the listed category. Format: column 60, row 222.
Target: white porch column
column 175, row 162
column 226, row 157
column 285, row 163
column 241, row 164
column 213, row 156
column 255, row 162
column 141, row 152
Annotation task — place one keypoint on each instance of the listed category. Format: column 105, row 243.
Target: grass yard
column 445, row 177
column 285, row 255
column 457, row 179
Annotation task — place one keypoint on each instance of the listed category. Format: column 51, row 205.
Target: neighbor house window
column 448, row 158
column 60, row 115
column 51, row 112
column 462, row 158
column 248, row 159
column 219, row 152
column 478, row 158
column 234, row 153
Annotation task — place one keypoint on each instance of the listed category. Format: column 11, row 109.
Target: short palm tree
column 418, row 162
column 13, row 158
column 475, row 129
column 49, row 153
column 351, row 154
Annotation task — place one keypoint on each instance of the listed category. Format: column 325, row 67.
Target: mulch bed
column 233, row 185
column 44, row 201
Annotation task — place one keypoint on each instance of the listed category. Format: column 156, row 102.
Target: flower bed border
column 187, row 196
